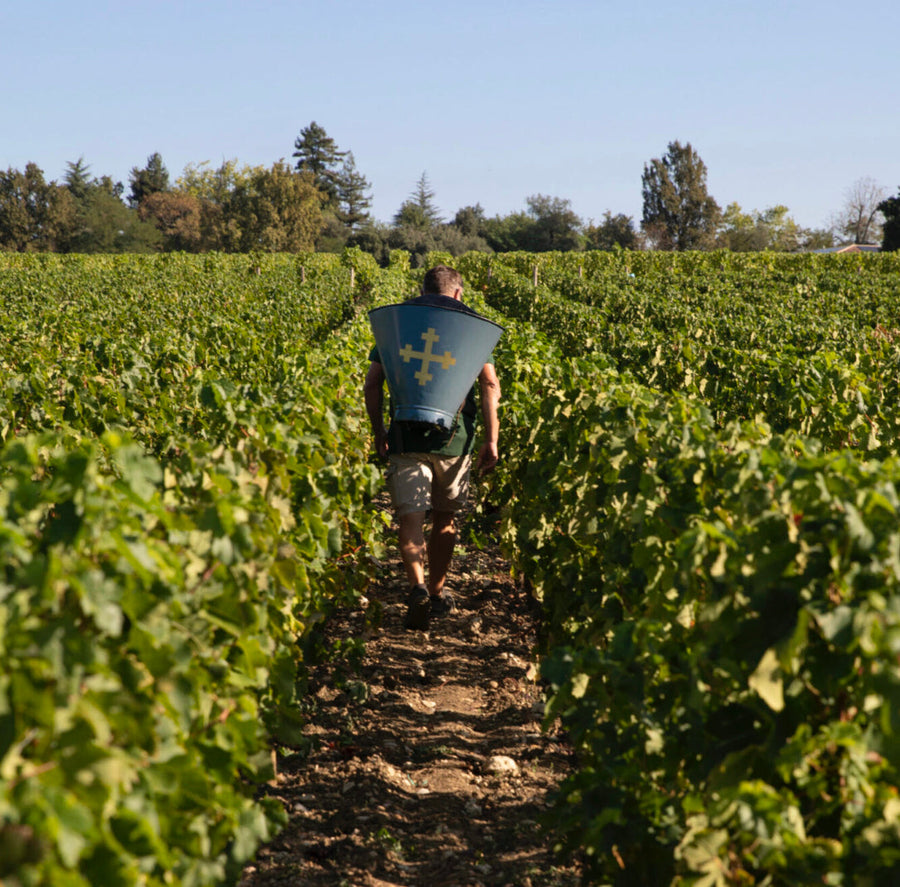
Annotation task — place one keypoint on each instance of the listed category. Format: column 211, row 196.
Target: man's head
column 443, row 281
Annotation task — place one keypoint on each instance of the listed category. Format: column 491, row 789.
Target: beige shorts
column 419, row 481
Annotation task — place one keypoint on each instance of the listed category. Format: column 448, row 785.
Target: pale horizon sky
column 786, row 102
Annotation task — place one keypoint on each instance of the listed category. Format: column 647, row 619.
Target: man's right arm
column 373, row 391
column 490, row 398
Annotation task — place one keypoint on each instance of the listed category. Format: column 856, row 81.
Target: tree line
column 321, row 202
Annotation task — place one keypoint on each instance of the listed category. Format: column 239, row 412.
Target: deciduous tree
column 783, row 234
column 556, row 225
column 614, row 231
column 860, row 219
column 772, row 229
column 679, row 213
column 549, row 223
column 455, row 241
column 215, row 185
column 417, row 241
column 177, row 216
column 508, row 233
column 816, row 238
column 35, row 215
column 373, row 238
column 214, row 189
column 104, row 224
column 278, row 210
column 470, row 220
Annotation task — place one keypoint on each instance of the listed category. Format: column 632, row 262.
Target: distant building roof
column 851, row 248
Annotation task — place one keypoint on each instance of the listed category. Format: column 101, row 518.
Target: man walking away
column 429, row 467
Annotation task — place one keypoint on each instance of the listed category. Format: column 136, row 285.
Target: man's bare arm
column 490, row 399
column 373, row 391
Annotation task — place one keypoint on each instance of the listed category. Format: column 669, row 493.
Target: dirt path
column 428, row 765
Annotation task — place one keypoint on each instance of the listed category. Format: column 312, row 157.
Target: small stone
column 502, row 764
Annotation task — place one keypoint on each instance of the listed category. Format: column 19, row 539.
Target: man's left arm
column 490, row 398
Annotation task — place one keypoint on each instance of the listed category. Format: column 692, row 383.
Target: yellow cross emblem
column 427, row 356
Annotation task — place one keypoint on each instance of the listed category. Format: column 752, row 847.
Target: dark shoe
column 418, row 607
column 442, row 604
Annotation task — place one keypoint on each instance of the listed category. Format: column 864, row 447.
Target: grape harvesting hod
column 419, row 394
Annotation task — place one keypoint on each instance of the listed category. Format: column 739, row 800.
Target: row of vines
column 703, row 486
column 184, row 481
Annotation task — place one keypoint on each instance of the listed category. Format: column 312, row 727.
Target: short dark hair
column 442, row 280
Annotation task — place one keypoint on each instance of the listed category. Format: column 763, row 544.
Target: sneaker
column 442, row 604
column 418, row 606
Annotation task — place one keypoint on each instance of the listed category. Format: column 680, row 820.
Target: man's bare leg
column 441, row 542
column 412, row 552
column 411, row 536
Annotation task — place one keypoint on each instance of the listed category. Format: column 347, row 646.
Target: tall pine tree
column 78, row 178
column 418, row 210
column 152, row 179
column 353, row 202
column 317, row 153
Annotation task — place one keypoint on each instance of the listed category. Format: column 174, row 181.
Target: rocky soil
column 427, row 764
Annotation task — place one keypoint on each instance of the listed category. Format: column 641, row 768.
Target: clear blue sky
column 786, row 102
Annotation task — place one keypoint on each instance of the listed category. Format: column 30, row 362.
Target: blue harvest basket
column 431, row 356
